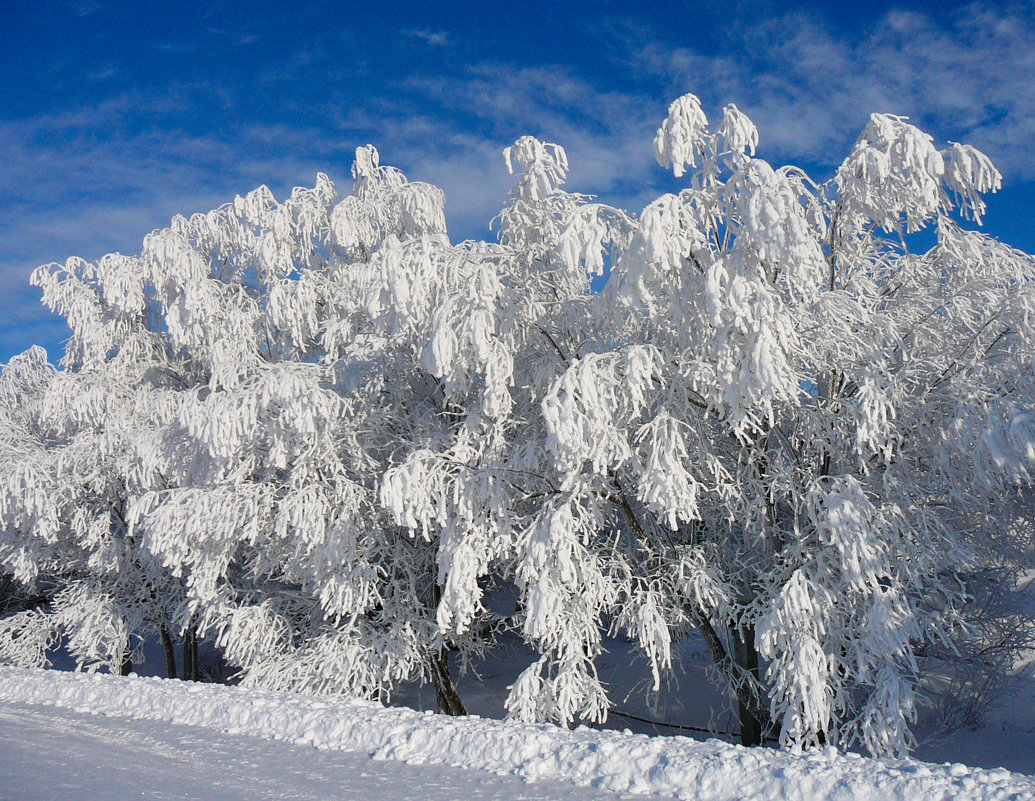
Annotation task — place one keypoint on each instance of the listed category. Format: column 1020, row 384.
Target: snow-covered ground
column 268, row 745
column 114, row 758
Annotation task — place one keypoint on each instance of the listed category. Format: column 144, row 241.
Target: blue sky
column 116, row 115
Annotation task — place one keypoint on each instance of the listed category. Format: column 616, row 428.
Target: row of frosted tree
column 323, row 437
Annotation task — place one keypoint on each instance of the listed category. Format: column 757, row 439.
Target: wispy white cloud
column 95, row 179
column 107, row 71
column 810, row 90
column 86, row 7
column 180, row 47
column 92, row 181
column 968, row 78
column 454, row 132
column 433, row 38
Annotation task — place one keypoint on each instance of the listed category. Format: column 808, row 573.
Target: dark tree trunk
column 127, row 662
column 190, row 655
column 738, row 672
column 754, row 718
column 740, row 668
column 185, row 654
column 195, row 663
column 746, row 657
column 447, row 699
column 170, row 652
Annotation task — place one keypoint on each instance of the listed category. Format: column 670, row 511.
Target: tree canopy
column 323, row 435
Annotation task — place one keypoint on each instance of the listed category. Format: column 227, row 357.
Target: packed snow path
column 608, row 762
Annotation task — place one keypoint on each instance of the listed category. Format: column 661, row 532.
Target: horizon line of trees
column 324, row 437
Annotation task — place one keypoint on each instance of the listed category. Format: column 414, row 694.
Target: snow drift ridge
column 677, row 766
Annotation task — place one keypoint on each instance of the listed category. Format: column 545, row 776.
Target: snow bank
column 675, row 766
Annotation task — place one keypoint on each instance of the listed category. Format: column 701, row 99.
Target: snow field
column 620, row 762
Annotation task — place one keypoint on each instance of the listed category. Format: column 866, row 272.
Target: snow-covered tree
column 26, row 504
column 320, row 433
column 244, row 355
column 496, row 326
column 64, row 530
column 78, row 453
column 802, row 420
